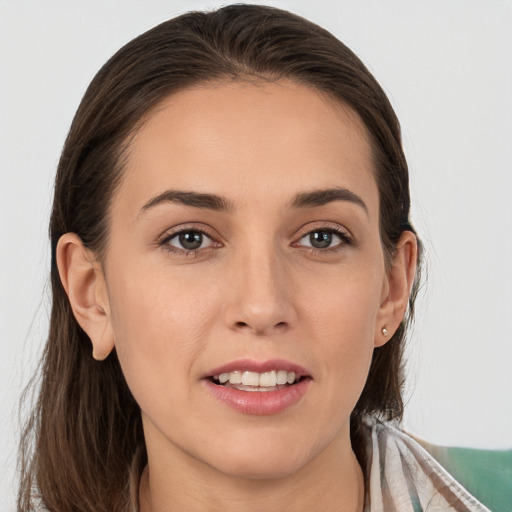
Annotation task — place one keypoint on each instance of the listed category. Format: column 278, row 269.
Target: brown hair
column 84, row 439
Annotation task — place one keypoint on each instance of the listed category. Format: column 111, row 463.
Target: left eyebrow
column 324, row 196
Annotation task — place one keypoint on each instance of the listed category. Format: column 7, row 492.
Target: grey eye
column 190, row 240
column 321, row 239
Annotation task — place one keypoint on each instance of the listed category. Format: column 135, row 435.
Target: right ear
column 84, row 282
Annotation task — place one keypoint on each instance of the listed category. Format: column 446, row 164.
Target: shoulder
column 402, row 476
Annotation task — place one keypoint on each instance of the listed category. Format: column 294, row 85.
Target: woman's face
column 244, row 237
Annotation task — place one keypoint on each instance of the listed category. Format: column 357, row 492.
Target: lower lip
column 259, row 402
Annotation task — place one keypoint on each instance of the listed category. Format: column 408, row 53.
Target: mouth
column 273, row 380
column 257, row 388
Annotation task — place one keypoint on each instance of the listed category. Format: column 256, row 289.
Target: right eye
column 188, row 241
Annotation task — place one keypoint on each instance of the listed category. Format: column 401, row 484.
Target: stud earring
column 385, row 332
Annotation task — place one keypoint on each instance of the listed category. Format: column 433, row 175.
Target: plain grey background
column 447, row 69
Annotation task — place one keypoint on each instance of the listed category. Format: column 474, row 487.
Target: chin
column 259, row 468
column 263, row 458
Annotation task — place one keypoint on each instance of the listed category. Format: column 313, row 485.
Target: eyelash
column 345, row 240
column 333, row 229
column 164, row 242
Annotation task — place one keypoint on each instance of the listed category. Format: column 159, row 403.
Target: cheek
column 161, row 326
column 340, row 320
column 344, row 303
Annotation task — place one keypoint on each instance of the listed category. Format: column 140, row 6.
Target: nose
column 260, row 294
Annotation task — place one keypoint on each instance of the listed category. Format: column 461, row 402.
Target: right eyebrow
column 195, row 199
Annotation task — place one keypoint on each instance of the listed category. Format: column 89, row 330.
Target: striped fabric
column 402, row 477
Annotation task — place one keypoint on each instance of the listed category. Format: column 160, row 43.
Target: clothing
column 402, row 477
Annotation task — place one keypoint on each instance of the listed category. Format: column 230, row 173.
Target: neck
column 332, row 482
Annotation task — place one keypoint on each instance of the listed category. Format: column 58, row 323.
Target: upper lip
column 251, row 365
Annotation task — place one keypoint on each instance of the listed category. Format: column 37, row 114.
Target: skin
column 255, row 289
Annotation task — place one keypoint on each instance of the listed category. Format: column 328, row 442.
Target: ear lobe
column 83, row 280
column 397, row 287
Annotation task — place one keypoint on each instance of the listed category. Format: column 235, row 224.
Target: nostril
column 259, row 329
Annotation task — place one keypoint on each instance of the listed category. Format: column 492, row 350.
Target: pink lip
column 250, row 365
column 259, row 402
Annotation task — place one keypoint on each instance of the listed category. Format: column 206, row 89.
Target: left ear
column 396, row 288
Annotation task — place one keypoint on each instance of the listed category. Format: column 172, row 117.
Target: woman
column 231, row 241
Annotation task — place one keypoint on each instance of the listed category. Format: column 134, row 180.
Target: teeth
column 268, row 379
column 250, row 379
column 282, row 377
column 235, row 378
column 265, row 380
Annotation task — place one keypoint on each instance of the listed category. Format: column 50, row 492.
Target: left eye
column 322, row 239
column 190, row 240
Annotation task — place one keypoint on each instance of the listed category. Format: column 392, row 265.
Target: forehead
column 243, row 138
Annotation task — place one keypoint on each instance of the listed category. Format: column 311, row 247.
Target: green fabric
column 487, row 474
